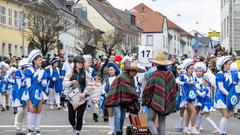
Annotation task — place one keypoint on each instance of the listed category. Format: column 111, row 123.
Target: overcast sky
column 201, row 15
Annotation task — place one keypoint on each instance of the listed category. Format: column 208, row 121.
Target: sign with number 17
column 144, row 54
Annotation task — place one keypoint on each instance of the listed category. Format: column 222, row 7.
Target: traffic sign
column 214, row 34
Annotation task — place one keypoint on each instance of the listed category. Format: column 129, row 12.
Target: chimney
column 80, row 11
column 69, row 4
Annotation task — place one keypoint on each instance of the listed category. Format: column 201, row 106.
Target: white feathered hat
column 180, row 67
column 13, row 69
column 24, row 63
column 210, row 78
column 222, row 60
column 87, row 57
column 234, row 67
column 4, row 64
column 200, row 66
column 187, row 62
column 126, row 58
column 33, row 54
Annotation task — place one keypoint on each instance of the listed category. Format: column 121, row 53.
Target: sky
column 200, row 15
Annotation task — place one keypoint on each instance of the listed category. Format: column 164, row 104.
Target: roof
column 107, row 11
column 147, row 19
column 172, row 25
column 126, row 16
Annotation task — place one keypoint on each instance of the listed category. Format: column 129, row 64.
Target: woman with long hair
column 36, row 82
column 77, row 75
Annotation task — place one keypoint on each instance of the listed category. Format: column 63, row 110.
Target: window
column 150, row 40
column 16, row 18
column 175, row 50
column 3, row 15
column 175, row 37
column 3, row 49
column 178, row 51
column 22, row 50
column 227, row 23
column 9, row 48
column 16, row 50
column 163, row 41
column 10, row 17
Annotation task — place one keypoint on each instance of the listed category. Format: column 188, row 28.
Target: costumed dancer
column 36, row 82
column 55, row 86
column 19, row 93
column 200, row 68
column 190, row 93
column 113, row 72
column 3, row 86
column 95, row 96
column 236, row 76
column 10, row 87
column 223, row 83
column 209, row 80
column 181, row 98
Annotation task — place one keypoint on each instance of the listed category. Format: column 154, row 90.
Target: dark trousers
column 76, row 122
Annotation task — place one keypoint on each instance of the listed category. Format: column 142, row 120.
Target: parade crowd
column 117, row 86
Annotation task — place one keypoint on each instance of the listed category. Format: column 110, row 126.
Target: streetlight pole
column 23, row 21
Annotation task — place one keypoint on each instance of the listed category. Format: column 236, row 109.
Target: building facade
column 10, row 29
column 230, row 24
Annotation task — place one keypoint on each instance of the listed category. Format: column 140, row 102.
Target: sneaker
column 59, row 107
column 215, row 131
column 37, row 132
column 194, row 131
column 15, row 110
column 30, row 132
column 51, row 107
column 3, row 109
column 178, row 128
column 7, row 108
column 110, row 133
column 186, row 131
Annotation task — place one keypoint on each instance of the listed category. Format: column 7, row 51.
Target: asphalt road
column 55, row 122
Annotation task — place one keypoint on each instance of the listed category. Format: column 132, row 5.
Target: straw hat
column 161, row 60
column 134, row 66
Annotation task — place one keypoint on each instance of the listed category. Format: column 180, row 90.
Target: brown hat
column 161, row 60
column 133, row 66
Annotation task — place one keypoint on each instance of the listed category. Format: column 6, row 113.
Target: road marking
column 58, row 126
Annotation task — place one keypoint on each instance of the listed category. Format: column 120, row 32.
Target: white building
column 161, row 34
column 230, row 24
column 154, row 25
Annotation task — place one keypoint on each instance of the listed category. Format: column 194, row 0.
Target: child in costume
column 3, row 86
column 206, row 100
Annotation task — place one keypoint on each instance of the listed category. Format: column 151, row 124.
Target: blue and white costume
column 207, row 105
column 223, row 82
column 55, row 86
column 198, row 81
column 181, row 80
column 36, row 82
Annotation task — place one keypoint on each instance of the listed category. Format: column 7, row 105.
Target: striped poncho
column 160, row 92
column 122, row 92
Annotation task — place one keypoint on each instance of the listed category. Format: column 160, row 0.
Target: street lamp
column 23, row 19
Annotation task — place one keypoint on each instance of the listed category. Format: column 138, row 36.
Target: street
column 55, row 122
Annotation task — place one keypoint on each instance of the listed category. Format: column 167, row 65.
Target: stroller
column 138, row 125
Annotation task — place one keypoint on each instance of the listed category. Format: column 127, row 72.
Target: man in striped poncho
column 159, row 94
column 122, row 96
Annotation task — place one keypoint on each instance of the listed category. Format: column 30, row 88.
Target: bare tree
column 129, row 44
column 44, row 28
column 110, row 41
